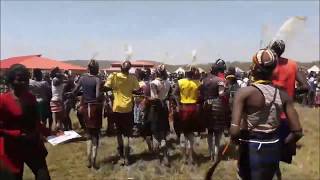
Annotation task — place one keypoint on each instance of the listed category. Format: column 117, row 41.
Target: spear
column 215, row 164
column 94, row 55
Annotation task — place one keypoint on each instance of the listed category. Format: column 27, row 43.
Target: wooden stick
column 226, row 148
column 214, row 166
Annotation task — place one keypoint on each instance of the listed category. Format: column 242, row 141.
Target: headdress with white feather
column 290, row 28
column 128, row 52
column 194, row 56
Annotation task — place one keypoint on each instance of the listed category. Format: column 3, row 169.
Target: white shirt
column 56, row 91
column 243, row 83
column 159, row 88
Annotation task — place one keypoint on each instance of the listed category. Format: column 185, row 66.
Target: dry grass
column 67, row 161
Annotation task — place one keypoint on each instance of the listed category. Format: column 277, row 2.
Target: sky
column 157, row 30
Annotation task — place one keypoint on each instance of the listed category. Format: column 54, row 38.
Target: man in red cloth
column 284, row 77
column 20, row 138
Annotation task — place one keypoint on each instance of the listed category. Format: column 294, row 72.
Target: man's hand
column 59, row 133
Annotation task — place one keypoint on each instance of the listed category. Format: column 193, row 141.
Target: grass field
column 68, row 161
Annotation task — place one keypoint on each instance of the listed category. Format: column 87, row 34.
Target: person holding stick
column 258, row 133
column 214, row 107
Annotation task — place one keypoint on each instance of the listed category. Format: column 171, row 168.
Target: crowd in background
column 153, row 104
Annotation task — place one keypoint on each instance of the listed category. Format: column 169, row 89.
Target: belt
column 259, row 142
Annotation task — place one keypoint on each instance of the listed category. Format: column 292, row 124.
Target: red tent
column 36, row 61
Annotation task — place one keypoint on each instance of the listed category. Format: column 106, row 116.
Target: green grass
column 67, row 161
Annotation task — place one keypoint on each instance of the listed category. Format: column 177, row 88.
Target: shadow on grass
column 176, row 156
column 145, row 156
column 230, row 154
column 110, row 160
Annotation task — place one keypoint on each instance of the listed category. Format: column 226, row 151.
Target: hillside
column 242, row 65
column 84, row 63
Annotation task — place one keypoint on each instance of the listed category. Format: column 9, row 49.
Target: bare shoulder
column 246, row 90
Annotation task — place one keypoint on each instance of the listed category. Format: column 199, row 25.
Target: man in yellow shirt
column 123, row 86
column 188, row 94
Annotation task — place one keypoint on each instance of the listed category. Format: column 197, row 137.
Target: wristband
column 235, row 125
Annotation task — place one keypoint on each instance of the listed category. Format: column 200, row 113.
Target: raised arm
column 77, row 87
column 98, row 84
column 135, row 86
column 109, row 84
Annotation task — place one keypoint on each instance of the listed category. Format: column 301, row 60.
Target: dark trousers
column 38, row 167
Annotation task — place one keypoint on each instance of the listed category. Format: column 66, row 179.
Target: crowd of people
column 255, row 110
column 312, row 98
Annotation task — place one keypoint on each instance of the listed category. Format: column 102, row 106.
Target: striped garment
column 56, row 106
column 215, row 114
column 268, row 118
column 92, row 115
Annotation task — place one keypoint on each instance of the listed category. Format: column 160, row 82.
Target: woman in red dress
column 20, row 138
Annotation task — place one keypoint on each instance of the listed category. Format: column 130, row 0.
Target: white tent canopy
column 314, row 68
column 201, row 70
column 239, row 70
column 180, row 70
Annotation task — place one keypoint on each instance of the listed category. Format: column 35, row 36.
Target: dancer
column 123, row 86
column 157, row 117
column 91, row 110
column 260, row 104
column 187, row 93
column 214, row 107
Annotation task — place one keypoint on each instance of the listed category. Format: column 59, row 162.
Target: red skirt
column 92, row 114
column 56, row 106
column 216, row 114
column 189, row 118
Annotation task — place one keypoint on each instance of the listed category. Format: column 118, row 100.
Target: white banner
column 54, row 140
